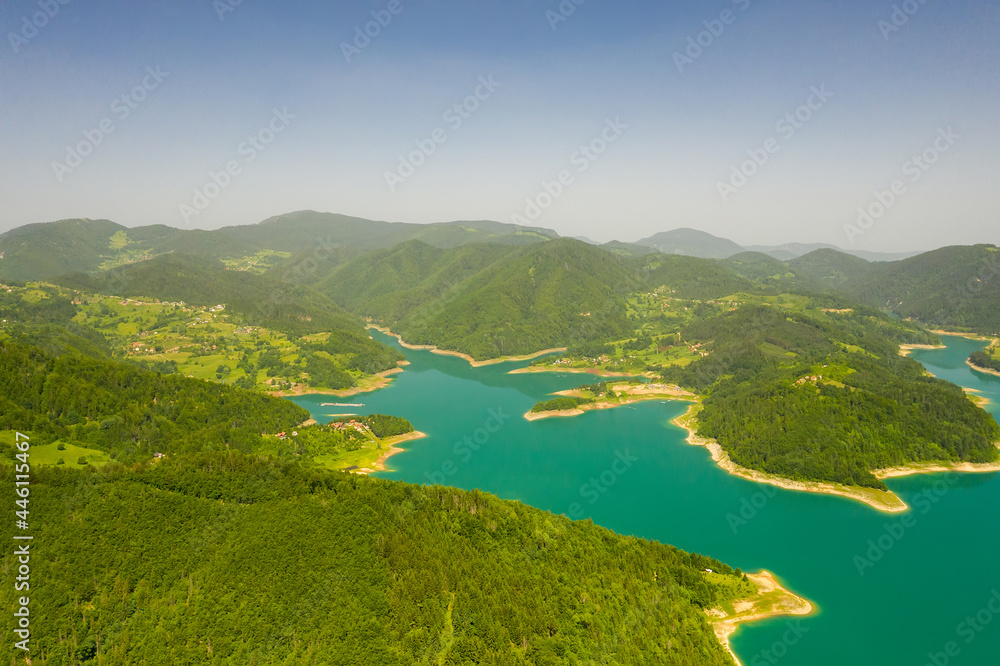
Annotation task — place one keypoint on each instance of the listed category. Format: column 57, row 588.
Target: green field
column 50, row 454
column 199, row 342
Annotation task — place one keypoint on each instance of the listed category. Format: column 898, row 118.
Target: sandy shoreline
column 988, row 371
column 886, row 501
column 881, row 500
column 636, row 394
column 537, row 416
column 579, row 371
column 772, row 600
column 970, row 336
column 904, row 350
column 367, row 385
column 473, row 362
column 935, row 468
column 391, row 442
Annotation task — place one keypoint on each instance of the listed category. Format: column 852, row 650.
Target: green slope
column 824, row 395
column 957, row 288
column 43, row 250
column 831, row 269
column 231, row 559
column 490, row 300
column 253, row 300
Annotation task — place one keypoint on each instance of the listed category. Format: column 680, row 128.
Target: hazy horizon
column 274, row 108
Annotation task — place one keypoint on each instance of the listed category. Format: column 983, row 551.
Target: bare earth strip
column 367, row 384
column 473, row 362
column 988, row 371
column 904, row 350
column 772, row 600
column 391, row 442
column 635, row 394
column 579, row 371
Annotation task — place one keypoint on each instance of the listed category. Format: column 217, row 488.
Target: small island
column 604, row 395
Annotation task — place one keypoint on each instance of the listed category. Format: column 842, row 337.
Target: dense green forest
column 487, row 300
column 955, row 288
column 233, row 559
column 129, row 412
column 826, row 396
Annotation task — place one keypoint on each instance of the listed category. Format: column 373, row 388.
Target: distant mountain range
column 386, row 269
column 43, row 250
column 701, row 244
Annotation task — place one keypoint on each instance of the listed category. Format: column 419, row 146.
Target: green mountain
column 487, row 300
column 222, row 557
column 253, row 300
column 691, row 277
column 693, row 243
column 813, row 393
column 831, row 269
column 259, row 300
column 232, row 548
column 43, row 251
column 955, row 288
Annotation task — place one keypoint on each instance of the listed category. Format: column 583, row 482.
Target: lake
column 894, row 589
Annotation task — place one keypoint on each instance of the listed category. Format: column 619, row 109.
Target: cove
column 913, row 588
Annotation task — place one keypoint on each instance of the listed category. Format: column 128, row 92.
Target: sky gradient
column 201, row 114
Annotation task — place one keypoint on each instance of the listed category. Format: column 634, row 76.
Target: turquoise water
column 905, row 602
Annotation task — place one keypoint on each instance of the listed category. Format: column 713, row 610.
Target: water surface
column 889, row 591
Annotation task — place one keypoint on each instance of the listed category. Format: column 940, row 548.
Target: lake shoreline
column 772, row 600
column 904, row 350
column 641, row 393
column 881, row 500
column 391, row 442
column 988, row 371
column 533, row 369
column 472, row 361
column 367, row 385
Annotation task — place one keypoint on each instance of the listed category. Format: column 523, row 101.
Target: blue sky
column 253, row 110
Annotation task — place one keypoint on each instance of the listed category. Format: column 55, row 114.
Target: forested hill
column 230, row 559
column 823, row 394
column 259, row 300
column 955, row 288
column 43, row 251
column 490, row 301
